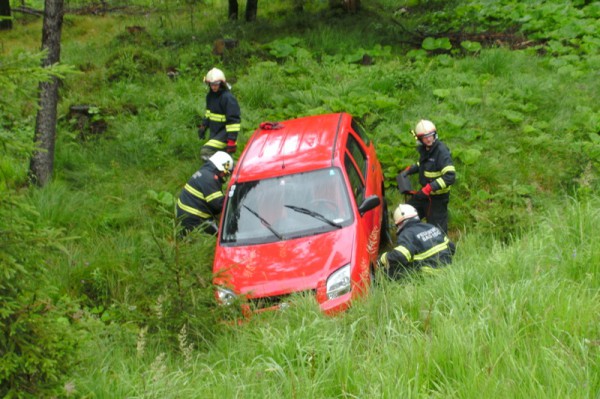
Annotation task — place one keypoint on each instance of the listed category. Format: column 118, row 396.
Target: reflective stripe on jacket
column 202, row 196
column 435, row 167
column 222, row 117
column 418, row 244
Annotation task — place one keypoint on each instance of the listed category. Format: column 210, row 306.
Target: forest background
column 99, row 299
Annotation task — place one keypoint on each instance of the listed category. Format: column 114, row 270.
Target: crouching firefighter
column 420, row 246
column 201, row 201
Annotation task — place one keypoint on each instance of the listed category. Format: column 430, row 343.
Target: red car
column 304, row 212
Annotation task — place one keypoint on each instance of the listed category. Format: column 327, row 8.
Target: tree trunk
column 233, row 9
column 351, row 6
column 5, row 15
column 42, row 160
column 251, row 9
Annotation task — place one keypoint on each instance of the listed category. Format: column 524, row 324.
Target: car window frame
column 354, row 147
column 352, row 172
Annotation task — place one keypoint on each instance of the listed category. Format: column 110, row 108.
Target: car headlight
column 339, row 282
column 226, row 296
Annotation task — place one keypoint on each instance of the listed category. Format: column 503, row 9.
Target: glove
column 231, row 147
column 405, row 171
column 424, row 192
column 201, row 132
column 426, row 189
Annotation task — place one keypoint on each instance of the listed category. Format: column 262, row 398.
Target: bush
column 37, row 342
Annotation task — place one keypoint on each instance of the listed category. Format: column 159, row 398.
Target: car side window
column 358, row 154
column 361, row 132
column 356, row 179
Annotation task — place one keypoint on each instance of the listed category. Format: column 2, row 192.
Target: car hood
column 283, row 267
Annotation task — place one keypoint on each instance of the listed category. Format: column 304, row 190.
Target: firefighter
column 436, row 176
column 420, row 246
column 222, row 116
column 201, row 200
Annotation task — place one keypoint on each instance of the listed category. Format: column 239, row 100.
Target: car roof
column 293, row 146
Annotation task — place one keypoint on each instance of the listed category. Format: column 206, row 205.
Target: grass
column 521, row 326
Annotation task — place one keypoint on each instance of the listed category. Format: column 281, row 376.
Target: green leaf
column 153, row 195
column 594, row 137
column 430, row 43
column 166, row 198
column 513, row 116
column 524, row 189
column 469, row 156
column 417, row 54
column 473, row 101
column 471, row 46
column 455, row 120
column 444, row 43
column 441, row 93
column 283, row 48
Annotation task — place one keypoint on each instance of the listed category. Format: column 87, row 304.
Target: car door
column 359, row 170
column 365, row 174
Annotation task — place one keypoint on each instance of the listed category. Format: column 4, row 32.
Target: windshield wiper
column 265, row 223
column 314, row 214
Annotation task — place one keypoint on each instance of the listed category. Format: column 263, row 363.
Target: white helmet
column 214, row 75
column 425, row 128
column 222, row 161
column 403, row 213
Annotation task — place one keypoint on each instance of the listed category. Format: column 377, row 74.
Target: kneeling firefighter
column 419, row 246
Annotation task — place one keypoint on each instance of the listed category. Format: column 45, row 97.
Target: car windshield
column 286, row 207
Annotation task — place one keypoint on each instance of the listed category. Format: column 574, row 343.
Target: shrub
column 37, row 342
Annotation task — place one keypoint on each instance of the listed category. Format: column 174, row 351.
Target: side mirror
column 369, row 203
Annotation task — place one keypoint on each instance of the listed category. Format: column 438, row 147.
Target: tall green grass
column 515, row 320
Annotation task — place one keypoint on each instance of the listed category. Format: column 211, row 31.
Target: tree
column 5, row 15
column 251, row 9
column 351, row 5
column 42, row 160
column 37, row 341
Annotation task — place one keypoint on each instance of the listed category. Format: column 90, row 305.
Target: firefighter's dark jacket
column 435, row 167
column 202, row 195
column 222, row 117
column 418, row 244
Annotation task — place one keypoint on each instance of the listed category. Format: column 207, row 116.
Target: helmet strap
column 400, row 226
